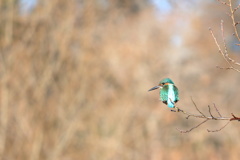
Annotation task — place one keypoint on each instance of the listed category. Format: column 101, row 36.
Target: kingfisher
column 168, row 92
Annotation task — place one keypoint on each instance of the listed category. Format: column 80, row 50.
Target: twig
column 224, row 42
column 187, row 131
column 224, row 3
column 217, row 110
column 234, row 118
column 224, row 55
column 217, row 44
column 235, row 9
column 209, row 110
column 226, row 68
column 233, row 18
column 217, row 130
column 197, row 108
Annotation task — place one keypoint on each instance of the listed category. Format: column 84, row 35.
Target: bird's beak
column 156, row 87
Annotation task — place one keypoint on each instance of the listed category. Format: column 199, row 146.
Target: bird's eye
column 163, row 83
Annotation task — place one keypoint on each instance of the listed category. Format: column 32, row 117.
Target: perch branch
column 207, row 118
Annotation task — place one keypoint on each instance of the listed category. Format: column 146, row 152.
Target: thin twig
column 217, row 44
column 224, row 3
column 217, row 110
column 235, row 9
column 233, row 18
column 217, row 130
column 223, row 38
column 187, row 131
column 209, row 110
column 234, row 118
column 197, row 108
column 225, row 54
column 226, row 58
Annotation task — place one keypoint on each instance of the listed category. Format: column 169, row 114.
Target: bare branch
column 225, row 53
column 235, row 118
column 237, row 23
column 233, row 18
column 224, row 3
column 217, row 44
column 228, row 68
column 197, row 108
column 224, row 41
column 207, row 118
column 235, row 9
column 209, row 110
column 217, row 130
column 187, row 131
column 217, row 110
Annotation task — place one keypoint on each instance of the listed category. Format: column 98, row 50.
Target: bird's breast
column 171, row 93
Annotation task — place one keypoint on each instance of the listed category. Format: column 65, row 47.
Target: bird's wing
column 176, row 94
column 164, row 94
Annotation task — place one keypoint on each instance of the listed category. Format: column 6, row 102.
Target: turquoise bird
column 168, row 92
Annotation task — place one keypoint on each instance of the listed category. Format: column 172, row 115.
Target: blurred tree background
column 75, row 74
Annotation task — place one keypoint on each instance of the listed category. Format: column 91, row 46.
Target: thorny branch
column 206, row 118
column 224, row 52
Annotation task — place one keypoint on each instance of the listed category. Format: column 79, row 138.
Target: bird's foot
column 176, row 109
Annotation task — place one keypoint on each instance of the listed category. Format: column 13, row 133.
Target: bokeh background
column 75, row 74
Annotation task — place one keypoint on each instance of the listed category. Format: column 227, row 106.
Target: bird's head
column 164, row 82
